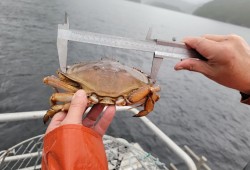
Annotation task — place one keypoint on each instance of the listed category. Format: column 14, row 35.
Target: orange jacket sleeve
column 75, row 147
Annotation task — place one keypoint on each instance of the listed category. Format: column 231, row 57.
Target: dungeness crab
column 105, row 81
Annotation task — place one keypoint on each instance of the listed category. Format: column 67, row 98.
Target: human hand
column 228, row 60
column 77, row 108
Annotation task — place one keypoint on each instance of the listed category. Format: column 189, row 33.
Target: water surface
column 193, row 110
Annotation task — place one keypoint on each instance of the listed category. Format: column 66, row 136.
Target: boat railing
column 191, row 160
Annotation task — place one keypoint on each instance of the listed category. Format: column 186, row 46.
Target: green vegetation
column 231, row 11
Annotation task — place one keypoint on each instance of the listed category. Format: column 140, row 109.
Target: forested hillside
column 231, row 11
column 164, row 5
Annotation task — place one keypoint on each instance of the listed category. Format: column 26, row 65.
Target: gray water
column 193, row 110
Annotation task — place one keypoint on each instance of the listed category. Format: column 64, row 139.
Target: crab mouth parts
column 94, row 99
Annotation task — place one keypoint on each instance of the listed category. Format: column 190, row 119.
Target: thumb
column 76, row 109
column 193, row 64
column 56, row 121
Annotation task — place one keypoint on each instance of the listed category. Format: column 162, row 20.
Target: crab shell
column 105, row 81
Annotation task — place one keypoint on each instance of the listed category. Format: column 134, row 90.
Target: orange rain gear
column 73, row 147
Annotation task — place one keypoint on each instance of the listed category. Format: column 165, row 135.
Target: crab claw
column 149, row 105
column 45, row 118
column 141, row 113
column 49, row 114
column 55, row 109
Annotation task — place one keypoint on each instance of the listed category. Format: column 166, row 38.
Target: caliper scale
column 160, row 49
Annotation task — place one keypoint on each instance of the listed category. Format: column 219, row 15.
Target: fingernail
column 79, row 93
column 185, row 39
column 178, row 68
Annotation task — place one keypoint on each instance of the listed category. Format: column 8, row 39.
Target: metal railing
column 8, row 117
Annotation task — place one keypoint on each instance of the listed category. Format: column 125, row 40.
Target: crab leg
column 149, row 105
column 55, row 109
column 57, row 83
column 139, row 94
column 60, row 97
column 155, row 97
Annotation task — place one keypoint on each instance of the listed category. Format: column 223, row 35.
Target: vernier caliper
column 160, row 49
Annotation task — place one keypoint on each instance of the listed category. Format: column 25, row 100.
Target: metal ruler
column 166, row 49
column 161, row 49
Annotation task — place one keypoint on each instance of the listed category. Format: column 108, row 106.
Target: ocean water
column 193, row 110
